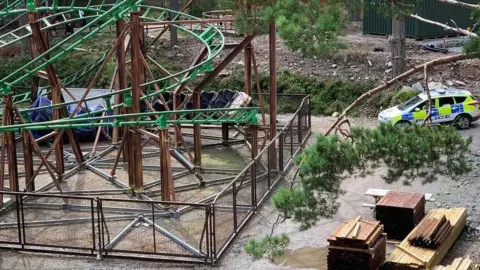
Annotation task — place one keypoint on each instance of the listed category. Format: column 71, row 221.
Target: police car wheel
column 462, row 122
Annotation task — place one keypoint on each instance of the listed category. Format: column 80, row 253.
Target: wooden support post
column 253, row 173
column 41, row 40
column 273, row 93
column 27, row 145
column 247, row 59
column 225, row 135
column 166, row 175
column 121, row 80
column 177, row 101
column 134, row 145
column 197, row 140
column 10, row 144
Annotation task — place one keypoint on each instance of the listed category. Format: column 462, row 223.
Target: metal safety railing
column 146, row 229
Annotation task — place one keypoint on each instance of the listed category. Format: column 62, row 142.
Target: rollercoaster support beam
column 196, row 95
column 177, row 98
column 253, row 173
column 121, row 79
column 134, row 145
column 41, row 40
column 247, row 60
column 273, row 91
column 27, row 145
column 11, row 151
column 166, row 174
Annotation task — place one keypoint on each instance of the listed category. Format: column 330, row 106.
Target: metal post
column 247, row 60
column 134, row 144
column 10, row 144
column 253, row 174
column 197, row 130
column 225, row 135
column 121, row 81
column 273, row 92
column 166, row 174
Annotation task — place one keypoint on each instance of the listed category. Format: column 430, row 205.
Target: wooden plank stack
column 460, row 264
column 357, row 244
column 400, row 212
column 407, row 256
column 431, row 233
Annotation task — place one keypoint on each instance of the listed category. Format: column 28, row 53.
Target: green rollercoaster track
column 99, row 17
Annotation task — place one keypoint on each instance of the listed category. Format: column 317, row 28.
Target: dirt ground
column 366, row 58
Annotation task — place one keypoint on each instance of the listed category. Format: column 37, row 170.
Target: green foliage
column 473, row 45
column 402, row 96
column 408, row 153
column 310, row 28
column 269, row 247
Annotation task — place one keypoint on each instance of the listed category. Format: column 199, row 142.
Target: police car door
column 443, row 105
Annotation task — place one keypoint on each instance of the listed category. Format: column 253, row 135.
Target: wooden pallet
column 408, row 256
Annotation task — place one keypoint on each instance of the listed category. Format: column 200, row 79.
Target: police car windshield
column 409, row 103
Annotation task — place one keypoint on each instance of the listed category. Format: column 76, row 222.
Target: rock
column 175, row 47
column 418, row 86
column 436, row 85
column 240, row 63
column 389, row 64
column 334, row 66
column 335, row 114
column 388, row 71
column 449, row 83
column 459, row 83
column 352, row 78
column 407, row 88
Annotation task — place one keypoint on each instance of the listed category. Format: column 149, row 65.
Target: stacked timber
column 460, row 264
column 407, row 256
column 400, row 212
column 357, row 244
column 431, row 233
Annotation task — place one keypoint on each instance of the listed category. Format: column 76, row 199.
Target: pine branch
column 445, row 27
column 460, row 4
column 386, row 85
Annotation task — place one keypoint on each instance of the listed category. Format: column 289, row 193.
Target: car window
column 459, row 100
column 409, row 103
column 445, row 101
column 422, row 106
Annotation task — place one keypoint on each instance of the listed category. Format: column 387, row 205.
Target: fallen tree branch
column 445, row 27
column 430, row 104
column 386, row 85
column 460, row 4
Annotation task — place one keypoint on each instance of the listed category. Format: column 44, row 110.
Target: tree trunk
column 174, row 5
column 398, row 42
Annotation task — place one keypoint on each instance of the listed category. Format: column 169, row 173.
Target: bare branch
column 386, row 85
column 430, row 105
column 460, row 4
column 445, row 27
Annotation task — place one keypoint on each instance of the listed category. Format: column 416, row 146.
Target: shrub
column 402, row 96
column 269, row 247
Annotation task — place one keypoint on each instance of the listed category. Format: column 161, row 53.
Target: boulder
column 436, row 85
column 418, row 86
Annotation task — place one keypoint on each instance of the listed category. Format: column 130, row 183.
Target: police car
column 450, row 106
